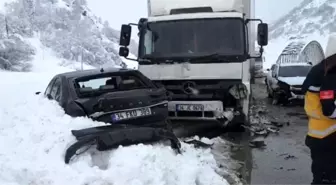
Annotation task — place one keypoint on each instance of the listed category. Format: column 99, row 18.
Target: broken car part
column 109, row 137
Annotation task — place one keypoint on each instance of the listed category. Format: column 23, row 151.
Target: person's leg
column 329, row 163
column 317, row 167
column 323, row 166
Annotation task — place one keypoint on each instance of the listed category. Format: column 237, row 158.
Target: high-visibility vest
column 319, row 126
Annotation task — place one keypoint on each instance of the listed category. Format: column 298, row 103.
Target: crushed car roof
column 89, row 72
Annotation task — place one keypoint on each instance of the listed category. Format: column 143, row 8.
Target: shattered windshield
column 294, row 71
column 194, row 38
column 100, row 85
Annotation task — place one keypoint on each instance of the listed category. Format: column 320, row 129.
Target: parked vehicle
column 133, row 106
column 284, row 81
column 259, row 67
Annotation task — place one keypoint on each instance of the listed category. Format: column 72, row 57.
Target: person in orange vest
column 320, row 107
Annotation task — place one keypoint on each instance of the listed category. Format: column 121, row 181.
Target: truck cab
column 200, row 52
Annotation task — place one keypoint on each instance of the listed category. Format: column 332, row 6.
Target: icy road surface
column 35, row 132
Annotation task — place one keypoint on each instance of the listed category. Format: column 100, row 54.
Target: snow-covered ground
column 35, row 132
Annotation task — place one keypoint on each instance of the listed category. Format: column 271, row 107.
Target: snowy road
column 285, row 159
column 35, row 132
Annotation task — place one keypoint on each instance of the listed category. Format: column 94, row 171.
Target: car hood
column 292, row 80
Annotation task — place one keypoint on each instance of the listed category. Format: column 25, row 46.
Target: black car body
column 93, row 94
column 134, row 108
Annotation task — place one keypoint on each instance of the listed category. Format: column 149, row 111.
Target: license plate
column 189, row 107
column 131, row 114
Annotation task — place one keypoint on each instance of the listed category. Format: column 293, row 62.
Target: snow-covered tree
column 71, row 30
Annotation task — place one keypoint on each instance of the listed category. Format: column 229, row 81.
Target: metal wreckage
column 133, row 114
column 201, row 85
column 134, row 109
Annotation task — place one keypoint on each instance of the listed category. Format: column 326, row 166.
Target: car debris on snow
column 257, row 143
column 261, row 124
column 134, row 109
column 198, row 143
column 288, row 156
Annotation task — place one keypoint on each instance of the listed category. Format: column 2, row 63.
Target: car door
column 56, row 90
column 48, row 89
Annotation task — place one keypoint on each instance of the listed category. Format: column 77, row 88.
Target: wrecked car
column 134, row 108
column 285, row 80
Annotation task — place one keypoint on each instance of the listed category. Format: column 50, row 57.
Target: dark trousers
column 323, row 155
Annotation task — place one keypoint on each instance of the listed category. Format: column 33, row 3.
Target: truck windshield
column 294, row 71
column 194, row 38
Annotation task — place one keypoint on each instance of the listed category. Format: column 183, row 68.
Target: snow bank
column 35, row 132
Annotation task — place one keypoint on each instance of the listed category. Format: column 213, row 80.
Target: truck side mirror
column 262, row 34
column 125, row 35
column 123, row 51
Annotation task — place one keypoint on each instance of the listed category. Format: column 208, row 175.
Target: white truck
column 200, row 51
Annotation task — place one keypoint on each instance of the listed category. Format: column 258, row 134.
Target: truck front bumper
column 203, row 111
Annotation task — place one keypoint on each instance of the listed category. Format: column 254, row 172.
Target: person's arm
column 312, row 82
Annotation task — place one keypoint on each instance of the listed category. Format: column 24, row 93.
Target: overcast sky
column 118, row 12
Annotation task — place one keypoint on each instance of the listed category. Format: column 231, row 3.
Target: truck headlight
column 239, row 91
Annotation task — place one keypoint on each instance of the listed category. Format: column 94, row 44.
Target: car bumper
column 157, row 118
column 296, row 96
column 290, row 95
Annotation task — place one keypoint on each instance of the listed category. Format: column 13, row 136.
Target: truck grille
column 206, row 89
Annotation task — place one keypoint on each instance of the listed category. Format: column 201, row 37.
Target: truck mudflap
column 109, row 137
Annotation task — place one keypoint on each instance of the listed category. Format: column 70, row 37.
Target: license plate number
column 189, row 107
column 131, row 114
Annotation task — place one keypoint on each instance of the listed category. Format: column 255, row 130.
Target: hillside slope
column 310, row 17
column 311, row 20
column 67, row 27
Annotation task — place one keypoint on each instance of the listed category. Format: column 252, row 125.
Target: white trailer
column 200, row 52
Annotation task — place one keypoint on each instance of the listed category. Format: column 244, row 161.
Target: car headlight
column 239, row 91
